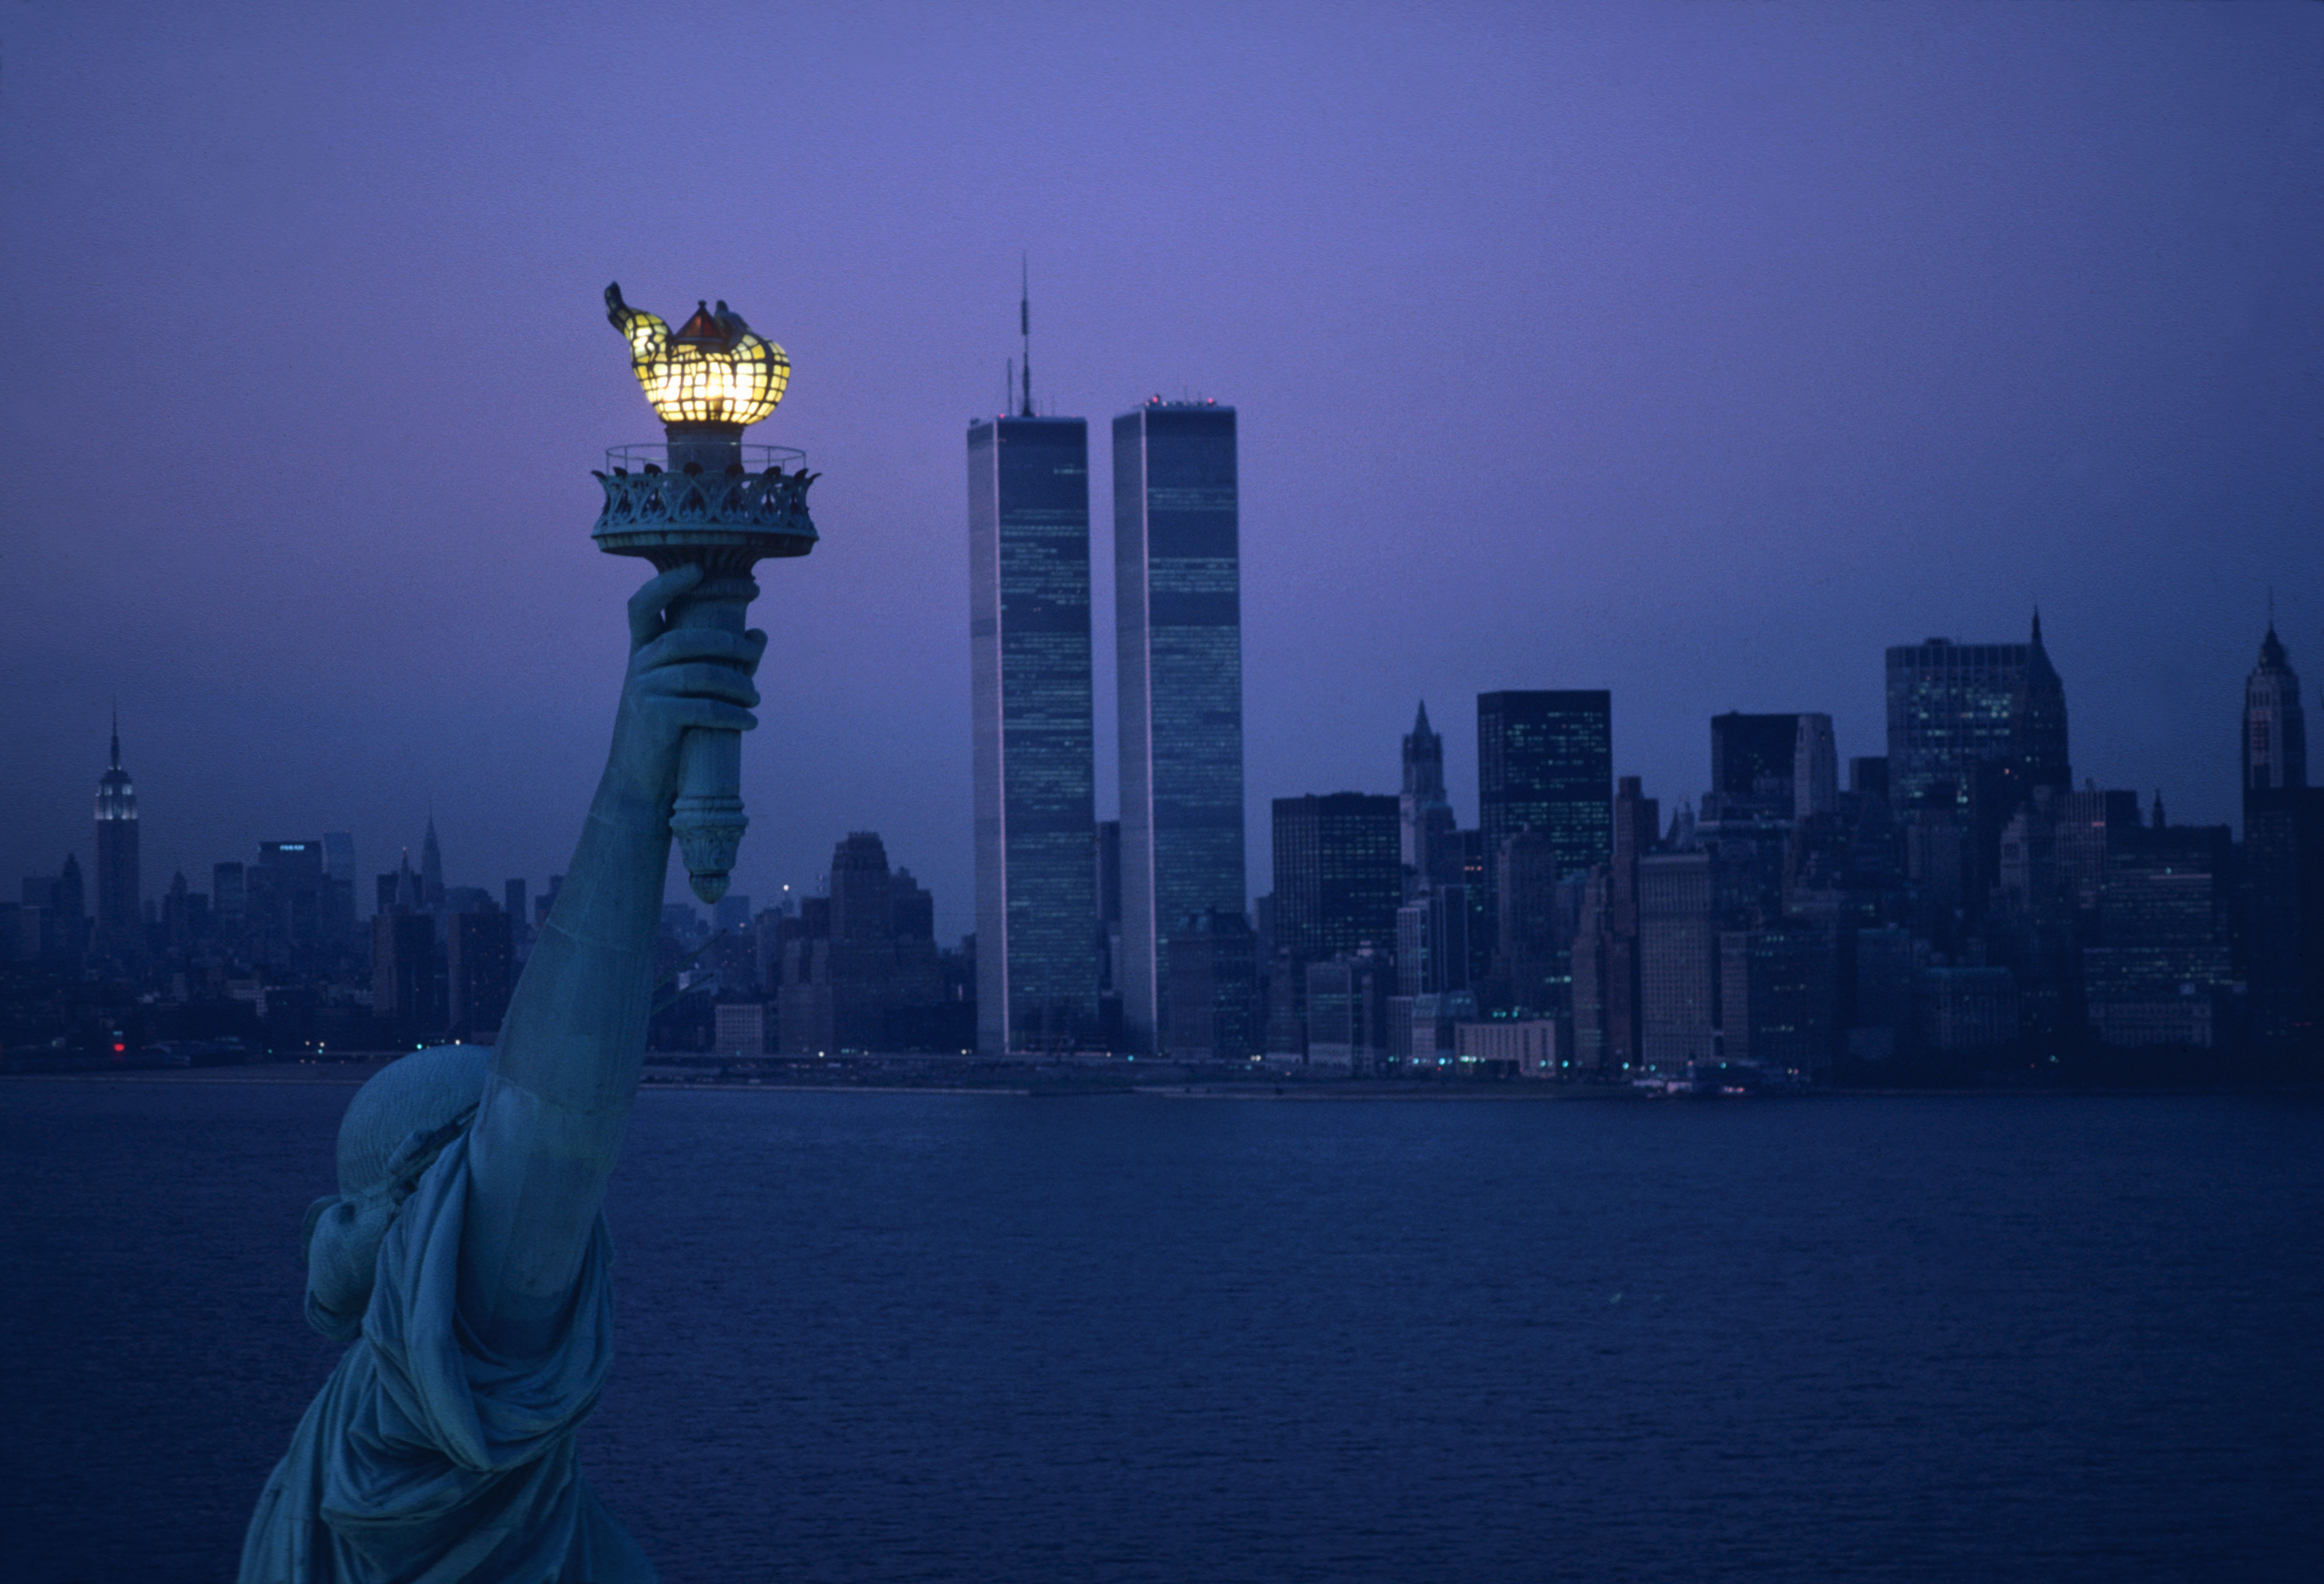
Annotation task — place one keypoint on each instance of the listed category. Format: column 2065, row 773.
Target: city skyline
column 2270, row 695
column 1991, row 913
column 1707, row 353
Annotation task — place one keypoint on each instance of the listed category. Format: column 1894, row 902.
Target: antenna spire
column 1025, row 324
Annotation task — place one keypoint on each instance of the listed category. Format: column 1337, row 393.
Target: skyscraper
column 1178, row 633
column 1953, row 707
column 118, row 889
column 1424, row 812
column 1678, row 961
column 1337, row 874
column 2283, row 866
column 1547, row 759
column 1753, row 763
column 2276, row 737
column 1815, row 769
column 1028, row 541
column 478, row 970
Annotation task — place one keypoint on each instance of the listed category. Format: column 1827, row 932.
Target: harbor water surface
column 901, row 1336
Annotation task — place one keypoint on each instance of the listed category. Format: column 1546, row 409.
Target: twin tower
column 1178, row 645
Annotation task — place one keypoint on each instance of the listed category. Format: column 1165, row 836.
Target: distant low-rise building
column 739, row 1029
column 1967, row 1010
column 1508, row 1047
column 1347, row 1013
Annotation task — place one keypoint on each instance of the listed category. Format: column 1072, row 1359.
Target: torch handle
column 707, row 818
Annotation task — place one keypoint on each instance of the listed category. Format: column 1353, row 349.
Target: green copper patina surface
column 463, row 1259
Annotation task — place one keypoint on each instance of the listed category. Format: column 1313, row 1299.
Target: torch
column 705, row 500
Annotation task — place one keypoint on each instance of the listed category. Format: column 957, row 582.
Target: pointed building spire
column 432, row 866
column 116, row 736
column 2275, row 730
column 2037, row 626
column 1420, row 721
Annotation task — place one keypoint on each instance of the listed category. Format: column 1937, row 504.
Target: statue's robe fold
column 427, row 1459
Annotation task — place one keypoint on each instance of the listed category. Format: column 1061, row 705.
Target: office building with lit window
column 1547, row 759
column 1029, row 535
column 1178, row 637
column 1954, row 707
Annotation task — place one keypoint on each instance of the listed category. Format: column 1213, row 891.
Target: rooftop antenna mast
column 1025, row 325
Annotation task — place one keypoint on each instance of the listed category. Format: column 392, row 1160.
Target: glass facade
column 1751, row 756
column 1547, row 759
column 1029, row 531
column 1955, row 706
column 1178, row 628
column 1339, row 874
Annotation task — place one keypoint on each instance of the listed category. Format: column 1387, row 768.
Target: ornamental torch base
column 723, row 522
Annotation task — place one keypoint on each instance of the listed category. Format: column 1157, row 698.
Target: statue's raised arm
column 565, row 1066
column 463, row 1257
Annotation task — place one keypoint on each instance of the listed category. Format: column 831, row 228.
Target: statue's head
column 395, row 1126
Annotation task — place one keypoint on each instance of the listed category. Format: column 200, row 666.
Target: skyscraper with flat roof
column 1178, row 633
column 1547, row 759
column 1029, row 539
column 1338, row 874
column 1752, row 760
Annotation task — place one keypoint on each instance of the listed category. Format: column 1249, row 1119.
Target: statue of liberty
column 465, row 1257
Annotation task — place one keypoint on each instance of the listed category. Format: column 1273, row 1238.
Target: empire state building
column 117, row 893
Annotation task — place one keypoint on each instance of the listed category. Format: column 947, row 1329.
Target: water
column 935, row 1337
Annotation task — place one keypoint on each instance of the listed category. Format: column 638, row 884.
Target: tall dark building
column 1752, row 760
column 1678, row 963
column 1178, row 633
column 1953, row 707
column 2283, row 866
column 406, row 994
column 117, row 890
column 1532, row 964
column 479, row 956
column 1547, row 759
column 292, row 909
column 2163, row 970
column 1028, row 542
column 2276, row 737
column 1213, row 982
column 2283, row 862
column 1338, row 874
column 1779, row 997
column 1424, row 812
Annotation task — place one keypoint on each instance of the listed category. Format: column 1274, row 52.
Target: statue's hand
column 678, row 677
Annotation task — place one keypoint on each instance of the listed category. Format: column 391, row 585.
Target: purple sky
column 1698, row 352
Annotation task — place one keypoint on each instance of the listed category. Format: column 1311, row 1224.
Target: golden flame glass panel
column 690, row 383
